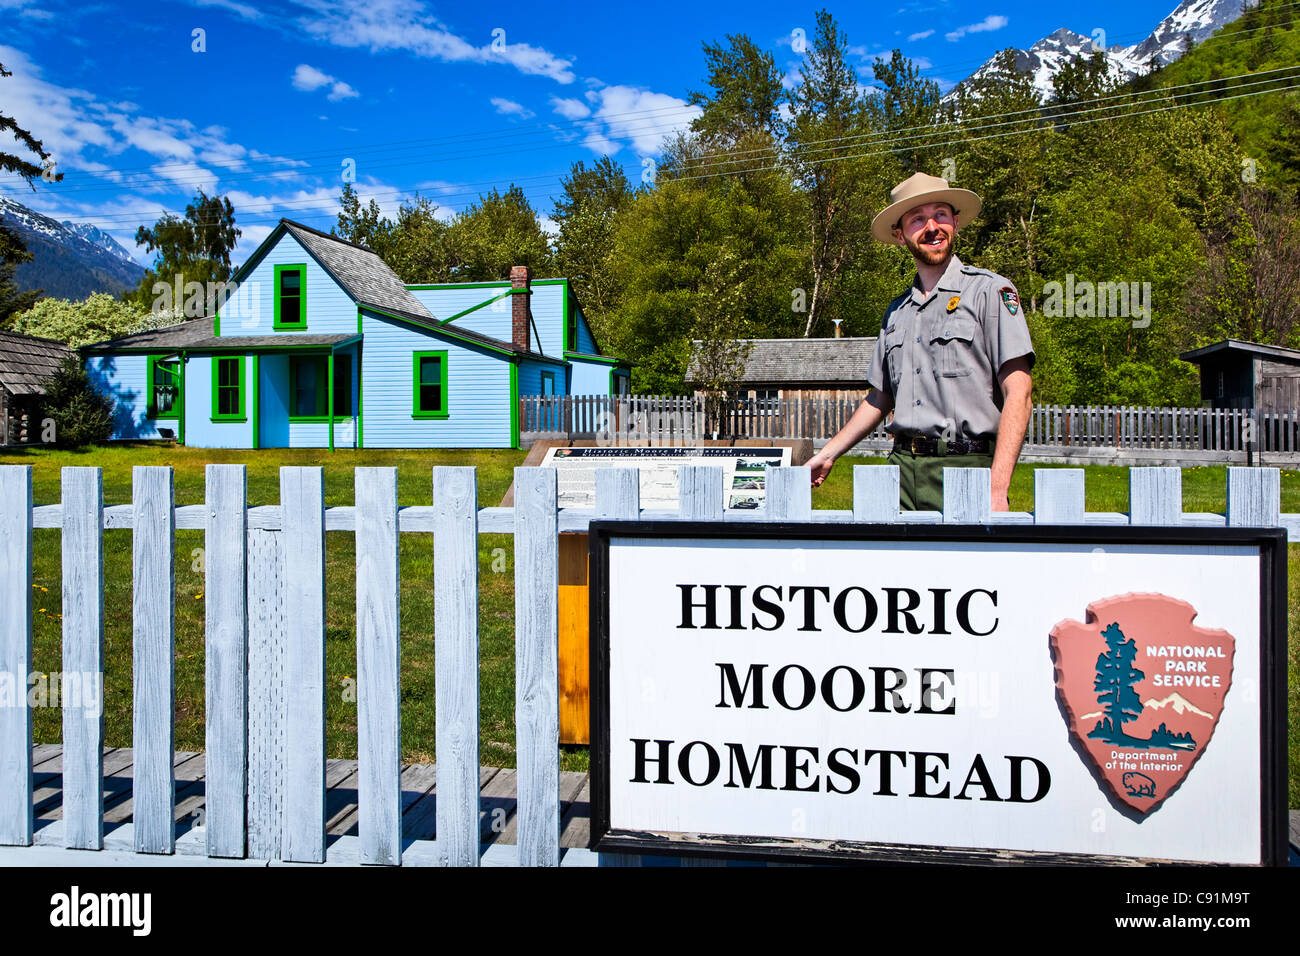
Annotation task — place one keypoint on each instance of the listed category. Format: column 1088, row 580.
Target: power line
column 1055, row 114
column 1014, row 132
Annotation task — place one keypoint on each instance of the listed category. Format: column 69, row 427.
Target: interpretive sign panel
column 744, row 473
column 959, row 694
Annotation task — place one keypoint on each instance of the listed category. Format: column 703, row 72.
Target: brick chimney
column 519, row 279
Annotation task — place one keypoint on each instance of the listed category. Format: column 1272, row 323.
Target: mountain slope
column 69, row 261
column 1190, row 23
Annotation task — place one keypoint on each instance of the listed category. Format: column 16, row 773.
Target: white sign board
column 988, row 689
column 744, row 473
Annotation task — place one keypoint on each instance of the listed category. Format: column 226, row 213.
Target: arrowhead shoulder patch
column 1010, row 299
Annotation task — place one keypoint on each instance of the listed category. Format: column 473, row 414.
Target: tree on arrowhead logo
column 1142, row 689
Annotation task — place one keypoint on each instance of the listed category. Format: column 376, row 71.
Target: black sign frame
column 1272, row 548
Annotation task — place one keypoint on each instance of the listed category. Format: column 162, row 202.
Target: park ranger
column 952, row 361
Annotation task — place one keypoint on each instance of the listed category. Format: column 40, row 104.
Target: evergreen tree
column 827, row 111
column 499, row 231
column 585, row 213
column 81, row 413
column 1114, row 682
column 196, row 247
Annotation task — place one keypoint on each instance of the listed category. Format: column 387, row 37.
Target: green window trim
column 237, row 388
column 320, row 397
column 548, row 377
column 151, row 382
column 418, row 384
column 301, row 322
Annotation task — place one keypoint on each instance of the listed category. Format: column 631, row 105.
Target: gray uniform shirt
column 939, row 355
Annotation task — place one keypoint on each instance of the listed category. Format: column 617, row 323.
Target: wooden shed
column 1236, row 374
column 783, row 369
column 26, row 363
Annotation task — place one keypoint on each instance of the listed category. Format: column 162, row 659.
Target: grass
column 1106, row 490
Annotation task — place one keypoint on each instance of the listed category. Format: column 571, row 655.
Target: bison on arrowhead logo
column 1142, row 689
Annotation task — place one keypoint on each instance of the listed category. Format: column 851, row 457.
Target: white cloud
column 381, row 25
column 86, row 136
column 510, row 108
column 991, row 22
column 188, row 176
column 913, row 37
column 643, row 117
column 570, row 109
column 308, row 79
column 242, row 9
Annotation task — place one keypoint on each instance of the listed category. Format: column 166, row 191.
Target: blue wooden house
column 323, row 346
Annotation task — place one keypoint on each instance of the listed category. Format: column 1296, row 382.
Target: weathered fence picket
column 379, row 660
column 153, row 612
column 302, row 506
column 226, row 658
column 537, row 669
column 264, row 792
column 16, row 816
column 83, row 658
column 455, row 647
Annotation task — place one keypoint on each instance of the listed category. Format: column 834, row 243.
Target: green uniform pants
column 920, row 477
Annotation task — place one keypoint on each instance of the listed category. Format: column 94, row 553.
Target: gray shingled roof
column 1278, row 352
column 26, row 362
column 183, row 335
column 429, row 322
column 801, row 361
column 365, row 276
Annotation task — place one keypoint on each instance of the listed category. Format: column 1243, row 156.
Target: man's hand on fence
column 819, row 465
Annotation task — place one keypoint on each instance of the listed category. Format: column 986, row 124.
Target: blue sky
column 448, row 100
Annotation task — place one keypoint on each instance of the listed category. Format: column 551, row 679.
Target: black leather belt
column 920, row 445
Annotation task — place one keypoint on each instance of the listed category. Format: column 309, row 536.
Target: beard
column 931, row 257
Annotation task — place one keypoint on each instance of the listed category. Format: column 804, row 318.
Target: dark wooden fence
column 674, row 418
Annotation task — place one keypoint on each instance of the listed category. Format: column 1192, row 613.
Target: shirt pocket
column 953, row 343
column 894, row 339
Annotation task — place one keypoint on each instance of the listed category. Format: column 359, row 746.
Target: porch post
column 329, row 393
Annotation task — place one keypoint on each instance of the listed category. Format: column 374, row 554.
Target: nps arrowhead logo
column 1142, row 689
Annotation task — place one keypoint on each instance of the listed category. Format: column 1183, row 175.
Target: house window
column 429, row 385
column 308, row 391
column 228, row 389
column 343, row 386
column 548, row 383
column 571, row 330
column 164, row 387
column 291, row 297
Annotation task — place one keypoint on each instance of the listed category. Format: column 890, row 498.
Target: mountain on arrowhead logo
column 1142, row 689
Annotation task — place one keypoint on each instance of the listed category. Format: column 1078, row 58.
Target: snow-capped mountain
column 99, row 237
column 1190, row 23
column 68, row 261
column 1177, row 703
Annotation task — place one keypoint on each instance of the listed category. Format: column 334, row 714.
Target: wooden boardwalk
column 497, row 823
column 496, row 797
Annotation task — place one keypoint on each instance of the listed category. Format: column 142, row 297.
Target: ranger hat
column 917, row 190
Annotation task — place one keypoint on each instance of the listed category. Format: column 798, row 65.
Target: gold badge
column 952, row 303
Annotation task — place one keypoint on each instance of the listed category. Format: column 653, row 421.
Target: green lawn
column 1106, row 490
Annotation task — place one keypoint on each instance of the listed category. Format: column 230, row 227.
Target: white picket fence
column 265, row 697
column 668, row 419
